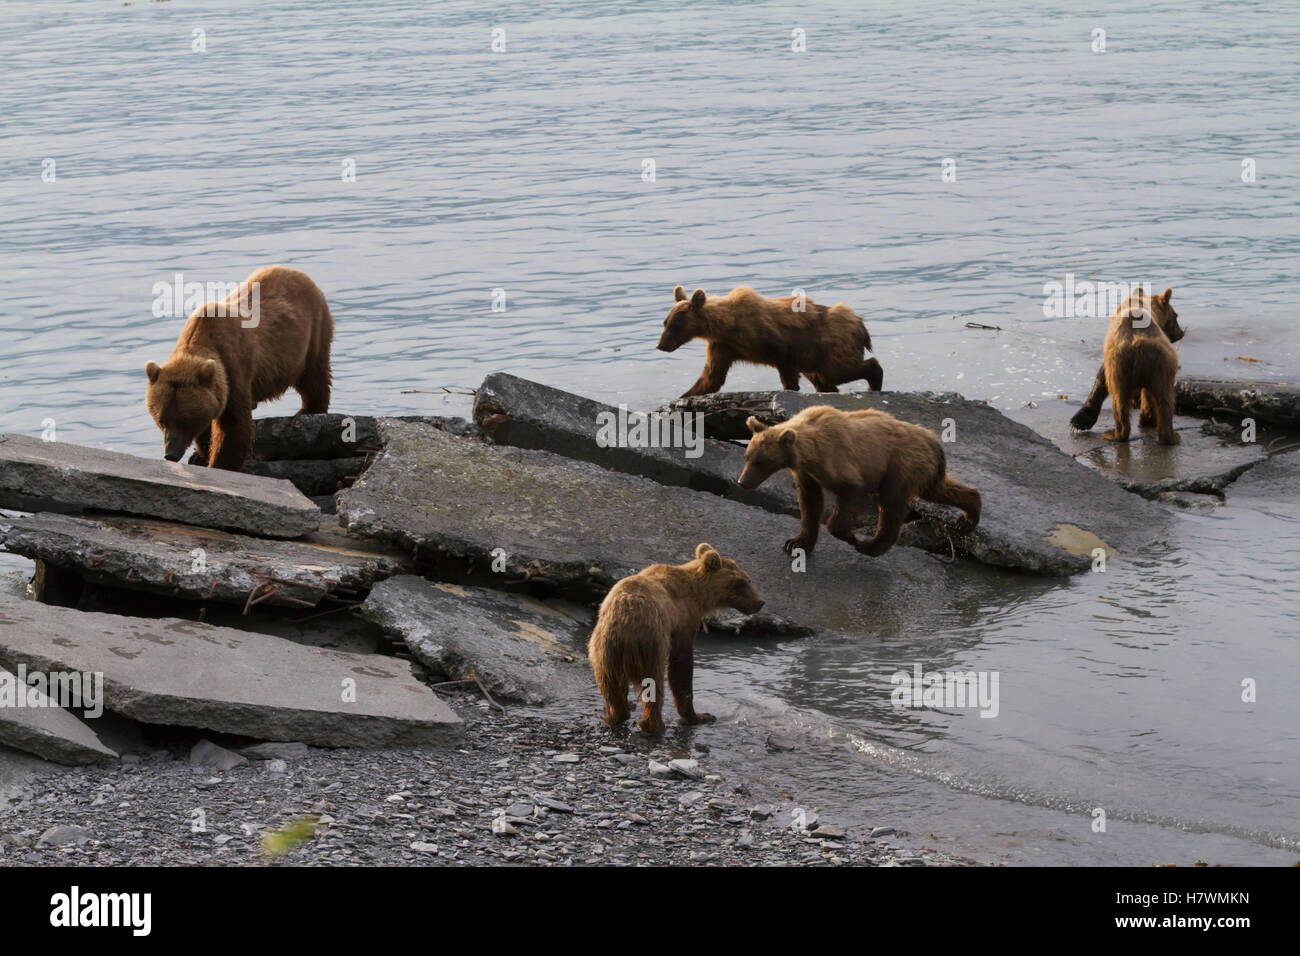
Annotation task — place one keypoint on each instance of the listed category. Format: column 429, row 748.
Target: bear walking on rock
column 855, row 455
column 647, row 625
column 794, row 335
column 1139, row 368
column 272, row 334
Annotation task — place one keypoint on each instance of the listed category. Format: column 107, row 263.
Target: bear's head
column 685, row 320
column 770, row 449
column 1158, row 308
column 184, row 396
column 725, row 584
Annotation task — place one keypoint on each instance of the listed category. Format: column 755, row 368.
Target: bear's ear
column 712, row 560
column 755, row 426
column 787, row 438
column 207, row 372
column 697, row 299
column 1168, row 294
column 679, row 294
column 153, row 370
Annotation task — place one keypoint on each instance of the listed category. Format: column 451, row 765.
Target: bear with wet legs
column 855, row 455
column 271, row 334
column 796, row 336
column 1139, row 369
column 647, row 626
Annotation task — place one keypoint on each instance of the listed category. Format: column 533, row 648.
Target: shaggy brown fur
column 825, row 343
column 219, row 371
column 1139, row 366
column 854, row 455
column 648, row 623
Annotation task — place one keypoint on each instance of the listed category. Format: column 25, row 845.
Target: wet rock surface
column 521, row 649
column 576, row 528
column 1206, row 461
column 1042, row 511
column 500, row 799
column 54, row 476
column 202, row 564
column 182, row 673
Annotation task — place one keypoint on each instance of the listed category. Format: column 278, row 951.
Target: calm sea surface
column 527, row 171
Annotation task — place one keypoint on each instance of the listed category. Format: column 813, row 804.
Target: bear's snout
column 174, row 448
column 666, row 344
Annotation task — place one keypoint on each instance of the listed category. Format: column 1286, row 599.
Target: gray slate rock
column 168, row 671
column 47, row 730
column 37, row 475
column 521, row 648
column 207, row 754
column 161, row 557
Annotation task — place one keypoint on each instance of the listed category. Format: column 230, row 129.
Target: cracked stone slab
column 183, row 673
column 46, row 729
column 202, row 564
column 1043, row 512
column 515, row 411
column 329, row 435
column 579, row 528
column 1206, row 461
column 38, row 475
column 521, row 648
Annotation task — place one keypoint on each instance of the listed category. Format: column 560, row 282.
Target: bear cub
column 825, row 343
column 272, row 334
column 647, row 625
column 855, row 455
column 1139, row 368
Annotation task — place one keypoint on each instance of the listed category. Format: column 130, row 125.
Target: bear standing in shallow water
column 272, row 334
column 647, row 625
column 1139, row 368
column 855, row 455
column 825, row 343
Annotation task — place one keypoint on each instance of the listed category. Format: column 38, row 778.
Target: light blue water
column 819, row 170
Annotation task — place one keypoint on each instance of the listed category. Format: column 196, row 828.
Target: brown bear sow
column 1139, row 368
column 647, row 625
column 231, row 355
column 825, row 343
column 854, row 455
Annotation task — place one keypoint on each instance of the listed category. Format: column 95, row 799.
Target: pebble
column 660, row 771
column 63, row 835
column 881, row 832
column 687, row 768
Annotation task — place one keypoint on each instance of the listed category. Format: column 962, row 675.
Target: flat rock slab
column 520, row 648
column 1275, row 480
column 37, row 475
column 45, row 729
column 201, row 564
column 329, row 435
column 580, row 528
column 182, row 673
column 670, row 449
column 1273, row 402
column 1042, row 511
column 1204, row 462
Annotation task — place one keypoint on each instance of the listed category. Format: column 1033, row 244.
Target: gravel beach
column 522, row 789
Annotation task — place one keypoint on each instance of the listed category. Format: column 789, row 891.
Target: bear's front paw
column 798, row 541
column 1083, row 419
column 197, row 459
column 1112, row 435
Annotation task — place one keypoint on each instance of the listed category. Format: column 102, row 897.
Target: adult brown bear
column 272, row 334
column 825, row 343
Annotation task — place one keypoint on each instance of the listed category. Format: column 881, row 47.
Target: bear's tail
column 950, row 492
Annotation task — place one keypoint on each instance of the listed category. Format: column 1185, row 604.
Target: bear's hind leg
column 1147, row 417
column 789, row 377
column 893, row 512
column 614, row 690
column 1121, row 403
column 652, row 709
column 314, row 388
column 844, row 519
column 1163, row 400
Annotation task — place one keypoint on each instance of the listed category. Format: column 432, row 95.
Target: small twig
column 980, row 325
column 473, row 678
column 952, row 548
column 334, row 610
column 1279, row 451
column 441, row 389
